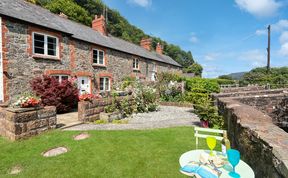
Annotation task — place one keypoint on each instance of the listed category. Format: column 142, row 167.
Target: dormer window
column 45, row 45
column 135, row 64
column 98, row 57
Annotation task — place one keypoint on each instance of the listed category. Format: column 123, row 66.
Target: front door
column 1, row 65
column 84, row 85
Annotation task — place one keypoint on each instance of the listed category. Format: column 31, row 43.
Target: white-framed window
column 45, row 45
column 61, row 78
column 136, row 64
column 104, row 84
column 98, row 57
column 154, row 68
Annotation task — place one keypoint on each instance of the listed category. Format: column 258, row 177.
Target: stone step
column 65, row 126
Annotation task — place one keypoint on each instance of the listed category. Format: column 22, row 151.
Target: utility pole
column 268, row 49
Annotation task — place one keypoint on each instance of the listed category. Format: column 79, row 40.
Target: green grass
column 152, row 153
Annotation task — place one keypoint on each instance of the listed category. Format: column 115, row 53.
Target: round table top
column 242, row 168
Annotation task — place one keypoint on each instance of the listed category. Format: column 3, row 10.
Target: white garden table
column 242, row 168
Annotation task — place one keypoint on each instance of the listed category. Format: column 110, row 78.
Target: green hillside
column 83, row 11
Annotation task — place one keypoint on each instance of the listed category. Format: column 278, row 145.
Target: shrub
column 225, row 82
column 144, row 96
column 126, row 107
column 128, row 81
column 64, row 95
column 210, row 85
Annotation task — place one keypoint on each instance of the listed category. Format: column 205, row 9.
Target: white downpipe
column 1, row 63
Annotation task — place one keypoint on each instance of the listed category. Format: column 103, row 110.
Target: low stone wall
column 266, row 103
column 22, row 123
column 262, row 144
column 187, row 105
column 90, row 111
column 240, row 89
column 252, row 93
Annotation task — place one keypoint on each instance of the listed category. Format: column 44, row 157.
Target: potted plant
column 27, row 100
column 88, row 97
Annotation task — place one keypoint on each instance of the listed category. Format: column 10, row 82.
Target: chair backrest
column 198, row 134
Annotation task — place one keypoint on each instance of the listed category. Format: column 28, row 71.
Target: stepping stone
column 16, row 170
column 81, row 136
column 55, row 152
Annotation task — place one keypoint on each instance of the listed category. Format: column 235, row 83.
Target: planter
column 204, row 123
column 110, row 116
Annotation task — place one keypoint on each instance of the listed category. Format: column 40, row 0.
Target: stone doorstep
column 72, row 124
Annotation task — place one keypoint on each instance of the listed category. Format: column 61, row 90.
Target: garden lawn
column 149, row 153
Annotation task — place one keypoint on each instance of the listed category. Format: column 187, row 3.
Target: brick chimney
column 146, row 43
column 159, row 48
column 99, row 24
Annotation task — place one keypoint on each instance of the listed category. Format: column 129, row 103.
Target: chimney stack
column 99, row 24
column 146, row 43
column 159, row 48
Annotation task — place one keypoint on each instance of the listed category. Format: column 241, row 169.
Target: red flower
column 88, row 97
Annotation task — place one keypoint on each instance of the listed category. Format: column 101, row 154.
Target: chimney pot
column 159, row 48
column 63, row 15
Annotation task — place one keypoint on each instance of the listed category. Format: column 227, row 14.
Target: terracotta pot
column 204, row 123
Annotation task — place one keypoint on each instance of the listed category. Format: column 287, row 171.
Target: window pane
column 64, row 77
column 107, row 84
column 52, row 44
column 101, row 84
column 56, row 77
column 101, row 57
column 38, row 50
column 38, row 44
column 134, row 65
column 95, row 56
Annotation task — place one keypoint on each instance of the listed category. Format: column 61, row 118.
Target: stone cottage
column 34, row 41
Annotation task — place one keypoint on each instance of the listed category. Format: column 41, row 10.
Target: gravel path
column 167, row 116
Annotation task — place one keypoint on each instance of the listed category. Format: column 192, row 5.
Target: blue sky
column 224, row 36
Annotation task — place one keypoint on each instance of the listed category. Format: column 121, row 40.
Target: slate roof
column 22, row 10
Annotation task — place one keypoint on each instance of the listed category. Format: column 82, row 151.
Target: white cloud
column 284, row 37
column 142, row 3
column 211, row 71
column 280, row 25
column 284, row 43
column 256, row 58
column 261, row 32
column 259, row 8
column 193, row 38
column 211, row 56
column 284, row 49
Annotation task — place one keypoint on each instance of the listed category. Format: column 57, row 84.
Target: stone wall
column 262, row 144
column 20, row 65
column 252, row 93
column 241, row 89
column 266, row 103
column 22, row 123
column 90, row 111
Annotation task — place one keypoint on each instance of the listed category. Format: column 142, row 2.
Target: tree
column 227, row 77
column 194, row 68
column 71, row 9
column 277, row 77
